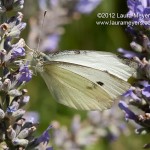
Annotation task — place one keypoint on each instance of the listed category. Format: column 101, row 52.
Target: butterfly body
column 87, row 80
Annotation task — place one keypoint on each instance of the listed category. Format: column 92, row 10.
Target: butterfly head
column 36, row 59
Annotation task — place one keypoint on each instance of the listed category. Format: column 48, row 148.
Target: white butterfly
column 87, row 80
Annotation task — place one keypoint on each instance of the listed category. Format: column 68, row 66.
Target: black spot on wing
column 100, row 83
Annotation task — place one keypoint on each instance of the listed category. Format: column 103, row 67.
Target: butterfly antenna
column 39, row 39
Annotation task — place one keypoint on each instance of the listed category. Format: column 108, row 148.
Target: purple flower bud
column 15, row 26
column 136, row 47
column 127, row 54
column 50, row 43
column 25, row 74
column 146, row 91
column 76, row 124
column 87, row 6
column 20, row 142
column 32, row 117
column 128, row 113
column 11, row 133
column 45, row 137
column 144, row 83
column 24, row 100
column 13, row 107
column 17, row 52
column 131, row 94
column 138, row 10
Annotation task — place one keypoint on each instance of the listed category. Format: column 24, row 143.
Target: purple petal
column 135, row 6
column 25, row 74
column 42, row 4
column 144, row 83
column 54, row 3
column 45, row 137
column 17, row 52
column 129, row 113
column 87, row 6
column 130, row 93
column 146, row 14
column 32, row 117
column 127, row 54
column 138, row 10
column 148, row 3
column 146, row 91
column 147, row 11
column 131, row 4
column 144, row 3
column 51, row 43
column 11, row 109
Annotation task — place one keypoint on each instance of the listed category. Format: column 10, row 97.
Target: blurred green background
column 83, row 34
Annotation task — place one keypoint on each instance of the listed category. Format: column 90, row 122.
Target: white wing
column 82, row 81
column 103, row 61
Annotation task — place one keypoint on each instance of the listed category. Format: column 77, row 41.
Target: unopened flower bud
column 6, row 85
column 141, row 131
column 146, row 42
column 14, row 106
column 18, row 125
column 11, row 133
column 26, row 132
column 20, row 142
column 24, row 91
column 19, row 113
column 2, row 114
column 24, row 100
column 18, row 4
column 2, row 135
column 136, row 46
column 2, row 55
column 14, row 93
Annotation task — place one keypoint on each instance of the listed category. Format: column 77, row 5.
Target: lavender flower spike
column 16, row 125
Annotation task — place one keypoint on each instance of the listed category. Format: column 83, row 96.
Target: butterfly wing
column 77, row 83
column 73, row 90
column 104, row 61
